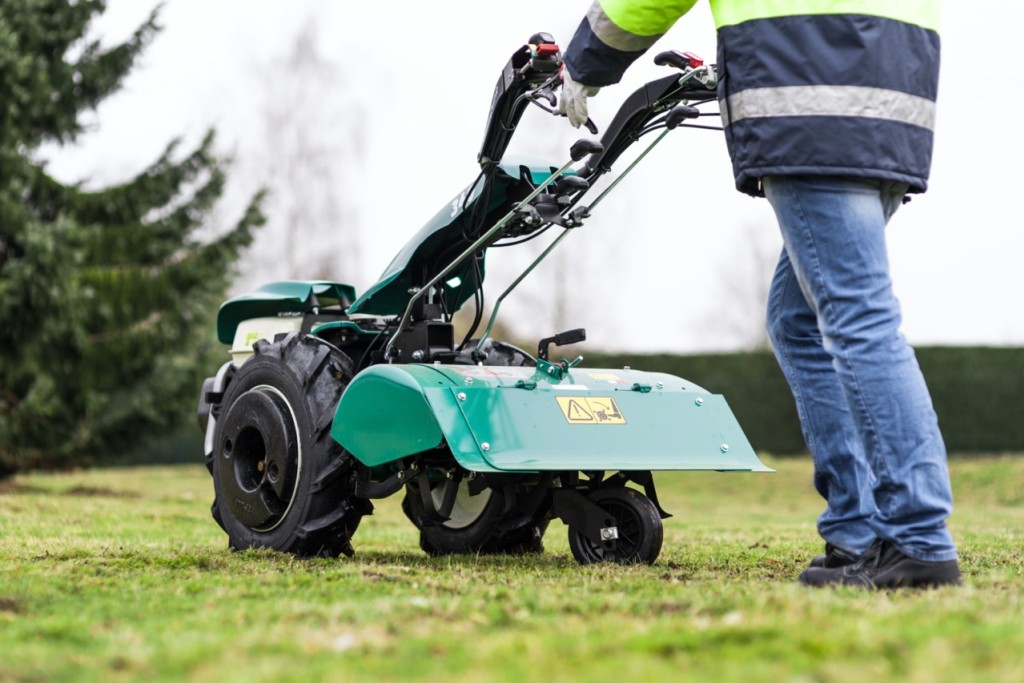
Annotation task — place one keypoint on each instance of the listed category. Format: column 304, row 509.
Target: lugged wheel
column 280, row 480
column 639, row 527
column 478, row 524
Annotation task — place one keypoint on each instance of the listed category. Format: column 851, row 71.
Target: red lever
column 695, row 60
column 546, row 50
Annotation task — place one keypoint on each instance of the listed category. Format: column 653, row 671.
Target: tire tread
column 328, row 515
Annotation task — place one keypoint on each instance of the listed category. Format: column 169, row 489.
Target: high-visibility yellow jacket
column 815, row 87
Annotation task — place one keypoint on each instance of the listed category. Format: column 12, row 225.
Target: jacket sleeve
column 614, row 33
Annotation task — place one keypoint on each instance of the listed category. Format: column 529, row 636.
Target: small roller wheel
column 638, row 525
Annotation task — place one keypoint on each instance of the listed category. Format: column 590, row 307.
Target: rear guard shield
column 502, row 419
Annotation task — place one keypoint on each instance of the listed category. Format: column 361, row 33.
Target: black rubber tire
column 490, row 531
column 497, row 353
column 280, row 480
column 639, row 525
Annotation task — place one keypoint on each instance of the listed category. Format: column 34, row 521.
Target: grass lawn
column 114, row 575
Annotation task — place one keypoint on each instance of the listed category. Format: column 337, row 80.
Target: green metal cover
column 275, row 298
column 595, row 419
column 383, row 416
column 390, row 294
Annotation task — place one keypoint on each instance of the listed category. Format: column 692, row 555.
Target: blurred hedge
column 978, row 393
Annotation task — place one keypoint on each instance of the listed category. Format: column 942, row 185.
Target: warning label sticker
column 590, row 410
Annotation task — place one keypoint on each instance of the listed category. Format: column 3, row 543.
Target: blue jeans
column 865, row 411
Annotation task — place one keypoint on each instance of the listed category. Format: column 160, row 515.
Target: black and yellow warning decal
column 590, row 410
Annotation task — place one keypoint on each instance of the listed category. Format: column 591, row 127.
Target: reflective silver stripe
column 830, row 100
column 613, row 36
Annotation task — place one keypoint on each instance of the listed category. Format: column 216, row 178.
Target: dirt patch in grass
column 99, row 492
column 10, row 488
column 10, row 605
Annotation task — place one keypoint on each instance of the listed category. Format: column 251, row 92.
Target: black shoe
column 883, row 566
column 834, row 557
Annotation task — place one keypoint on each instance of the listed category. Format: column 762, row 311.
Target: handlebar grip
column 701, row 93
column 680, row 60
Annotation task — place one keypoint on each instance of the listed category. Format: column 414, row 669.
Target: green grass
column 122, row 575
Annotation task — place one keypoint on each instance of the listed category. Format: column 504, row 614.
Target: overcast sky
column 671, row 261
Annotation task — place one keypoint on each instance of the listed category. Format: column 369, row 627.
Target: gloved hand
column 573, row 100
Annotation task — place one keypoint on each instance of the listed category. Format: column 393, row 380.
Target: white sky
column 669, row 261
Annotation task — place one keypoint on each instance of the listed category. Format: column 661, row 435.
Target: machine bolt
column 462, row 396
column 469, row 380
column 401, row 476
column 415, row 466
column 661, row 385
column 609, row 533
column 417, row 354
column 485, row 446
column 413, row 290
column 699, row 401
column 724, row 447
column 450, row 474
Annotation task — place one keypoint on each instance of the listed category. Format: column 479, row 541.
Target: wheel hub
column 259, row 458
column 619, row 538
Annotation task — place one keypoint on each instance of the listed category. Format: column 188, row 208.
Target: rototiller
column 331, row 400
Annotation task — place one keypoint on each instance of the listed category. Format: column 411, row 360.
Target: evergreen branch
column 146, row 325
column 153, row 189
column 105, row 296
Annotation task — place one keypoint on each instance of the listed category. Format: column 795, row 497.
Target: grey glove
column 573, row 100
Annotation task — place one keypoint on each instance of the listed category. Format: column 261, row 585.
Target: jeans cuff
column 943, row 556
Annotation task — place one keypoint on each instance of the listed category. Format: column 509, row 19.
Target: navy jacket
column 806, row 87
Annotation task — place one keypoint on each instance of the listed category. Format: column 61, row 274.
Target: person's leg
column 841, row 473
column 834, row 232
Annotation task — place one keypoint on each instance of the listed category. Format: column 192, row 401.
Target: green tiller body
column 331, row 400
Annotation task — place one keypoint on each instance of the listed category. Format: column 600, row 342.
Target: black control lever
column 561, row 339
column 547, row 95
column 680, row 113
column 584, row 148
column 571, row 183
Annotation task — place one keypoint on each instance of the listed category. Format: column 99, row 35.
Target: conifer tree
column 105, row 296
